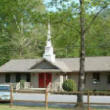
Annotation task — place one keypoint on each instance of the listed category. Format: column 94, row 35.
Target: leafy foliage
column 23, row 29
column 20, row 34
column 69, row 85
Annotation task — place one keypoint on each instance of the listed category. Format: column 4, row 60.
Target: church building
column 38, row 73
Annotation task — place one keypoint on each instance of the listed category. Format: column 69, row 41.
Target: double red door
column 44, row 79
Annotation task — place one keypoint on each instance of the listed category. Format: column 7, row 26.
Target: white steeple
column 48, row 54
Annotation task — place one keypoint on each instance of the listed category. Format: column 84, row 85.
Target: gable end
column 44, row 65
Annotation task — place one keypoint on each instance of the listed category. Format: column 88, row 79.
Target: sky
column 49, row 9
column 53, row 8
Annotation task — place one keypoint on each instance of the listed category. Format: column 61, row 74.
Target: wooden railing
column 17, row 86
column 46, row 94
column 48, row 90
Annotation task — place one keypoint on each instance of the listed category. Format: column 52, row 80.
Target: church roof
column 92, row 64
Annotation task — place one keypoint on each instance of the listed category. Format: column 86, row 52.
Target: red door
column 48, row 78
column 41, row 80
column 44, row 79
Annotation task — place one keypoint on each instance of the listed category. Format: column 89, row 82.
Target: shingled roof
column 92, row 64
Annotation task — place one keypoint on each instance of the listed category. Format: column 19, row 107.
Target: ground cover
column 7, row 107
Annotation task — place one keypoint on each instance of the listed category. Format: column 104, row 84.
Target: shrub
column 22, row 82
column 69, row 85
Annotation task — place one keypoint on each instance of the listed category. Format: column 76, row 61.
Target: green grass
column 7, row 107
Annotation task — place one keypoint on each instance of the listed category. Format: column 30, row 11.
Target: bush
column 22, row 82
column 69, row 85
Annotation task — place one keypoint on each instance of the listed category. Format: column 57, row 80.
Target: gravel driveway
column 59, row 98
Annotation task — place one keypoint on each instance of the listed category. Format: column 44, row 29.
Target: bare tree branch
column 71, row 26
column 94, row 18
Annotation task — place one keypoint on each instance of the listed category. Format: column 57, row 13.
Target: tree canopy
column 23, row 28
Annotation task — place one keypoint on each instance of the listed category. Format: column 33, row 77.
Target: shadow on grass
column 66, row 106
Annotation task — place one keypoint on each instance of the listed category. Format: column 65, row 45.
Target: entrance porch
column 41, row 80
column 44, row 79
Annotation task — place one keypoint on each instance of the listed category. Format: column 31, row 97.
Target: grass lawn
column 7, row 107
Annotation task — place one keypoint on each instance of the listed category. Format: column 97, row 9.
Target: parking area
column 59, row 98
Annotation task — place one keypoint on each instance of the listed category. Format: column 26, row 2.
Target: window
column 18, row 77
column 28, row 77
column 96, row 78
column 7, row 78
column 108, row 79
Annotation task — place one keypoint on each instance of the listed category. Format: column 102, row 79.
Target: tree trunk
column 81, row 83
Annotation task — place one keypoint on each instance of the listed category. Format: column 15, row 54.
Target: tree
column 24, row 25
column 97, row 42
column 19, row 29
column 83, row 8
column 82, row 50
column 82, row 55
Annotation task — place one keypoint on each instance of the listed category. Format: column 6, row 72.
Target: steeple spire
column 49, row 33
column 48, row 54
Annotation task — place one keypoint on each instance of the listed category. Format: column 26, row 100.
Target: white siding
column 73, row 76
column 34, row 80
column 2, row 78
column 57, row 80
column 103, row 85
